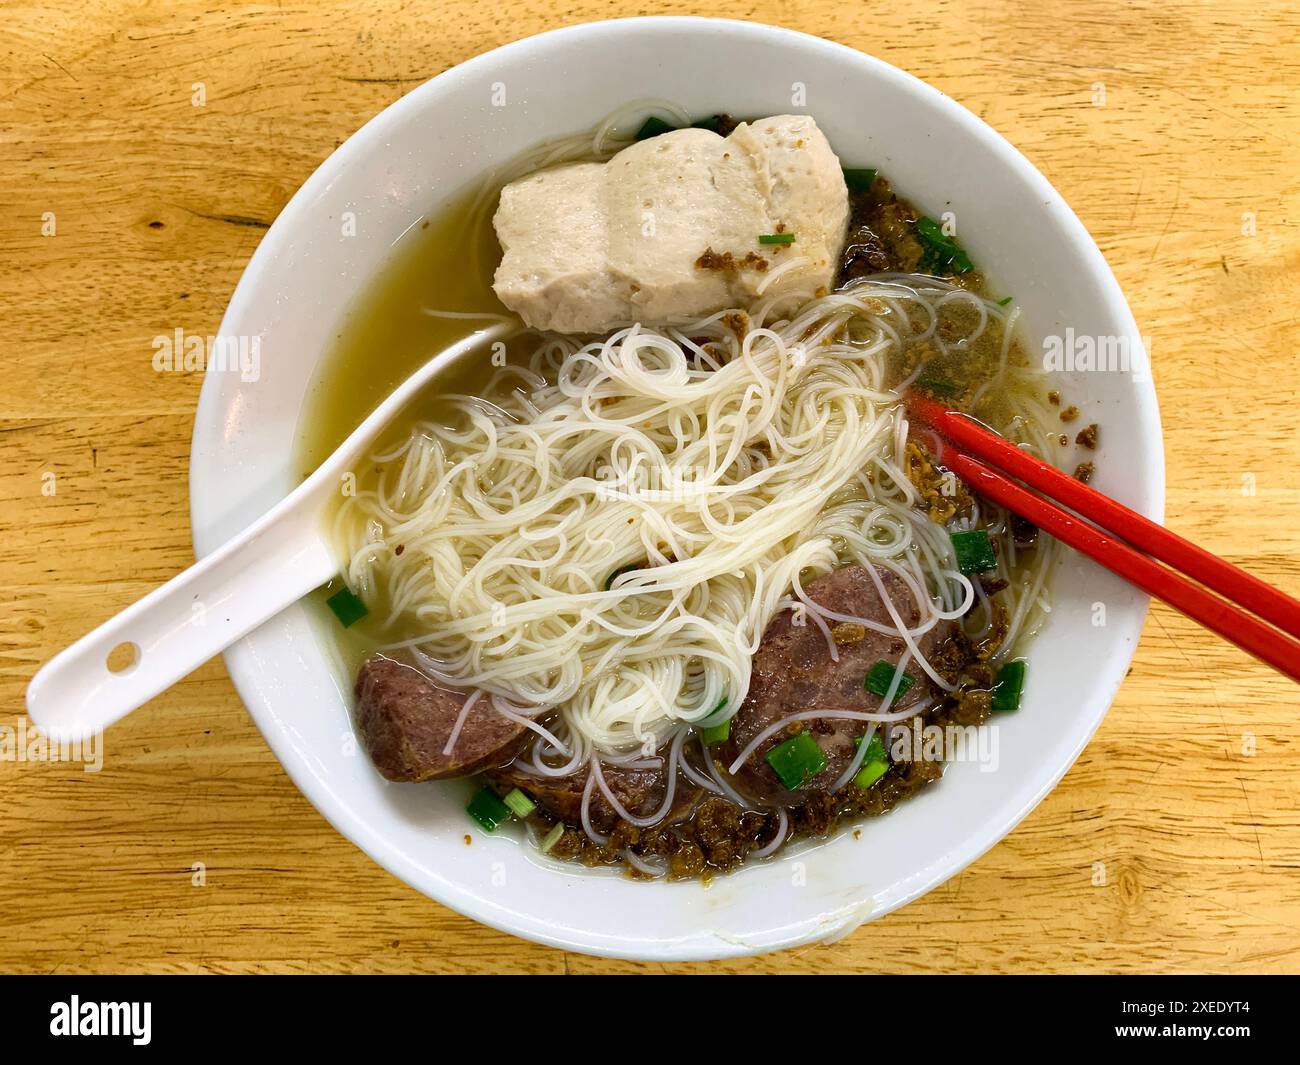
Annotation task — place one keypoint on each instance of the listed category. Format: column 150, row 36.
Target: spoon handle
column 176, row 628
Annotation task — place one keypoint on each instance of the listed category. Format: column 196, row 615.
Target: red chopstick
column 1278, row 649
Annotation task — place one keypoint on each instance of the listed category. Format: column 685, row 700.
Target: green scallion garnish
column 875, row 763
column 347, row 607
column 520, row 804
column 1009, row 687
column 716, row 733
column 974, row 551
column 552, row 837
column 1004, row 301
column 938, row 386
column 941, row 254
column 859, row 180
column 776, row 238
column 488, row 809
column 881, row 676
column 797, row 760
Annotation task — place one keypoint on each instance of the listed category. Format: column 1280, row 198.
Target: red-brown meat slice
column 793, row 672
column 406, row 720
column 641, row 791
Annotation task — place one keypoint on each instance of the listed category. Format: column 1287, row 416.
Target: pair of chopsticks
column 965, row 442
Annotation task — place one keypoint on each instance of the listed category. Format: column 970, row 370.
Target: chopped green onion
column 652, row 127
column 859, row 180
column 716, row 733
column 875, row 763
column 797, row 760
column 1009, row 687
column 609, row 581
column 974, row 551
column 488, row 809
column 347, row 607
column 520, row 804
column 776, row 238
column 881, row 676
column 941, row 254
column 937, row 385
column 870, row 773
column 552, row 837
column 875, row 749
column 1004, row 301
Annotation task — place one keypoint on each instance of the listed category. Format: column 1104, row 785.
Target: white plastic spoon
column 176, row 628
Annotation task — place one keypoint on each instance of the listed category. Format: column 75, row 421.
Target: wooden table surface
column 1188, row 175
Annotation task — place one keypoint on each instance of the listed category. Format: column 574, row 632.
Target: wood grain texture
column 158, row 205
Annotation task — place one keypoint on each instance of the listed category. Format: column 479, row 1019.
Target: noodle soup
column 681, row 593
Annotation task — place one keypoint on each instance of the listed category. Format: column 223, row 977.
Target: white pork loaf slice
column 668, row 229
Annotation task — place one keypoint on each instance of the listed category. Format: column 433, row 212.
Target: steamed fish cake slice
column 406, row 719
column 555, row 232
column 669, row 200
column 799, row 177
column 793, row 672
column 669, row 228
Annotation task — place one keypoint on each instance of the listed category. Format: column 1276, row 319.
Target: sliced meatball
column 641, row 792
column 793, row 672
column 406, row 719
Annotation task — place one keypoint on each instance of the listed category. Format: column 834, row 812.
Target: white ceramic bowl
column 435, row 142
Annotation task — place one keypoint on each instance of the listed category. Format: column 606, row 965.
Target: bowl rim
column 456, row 895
